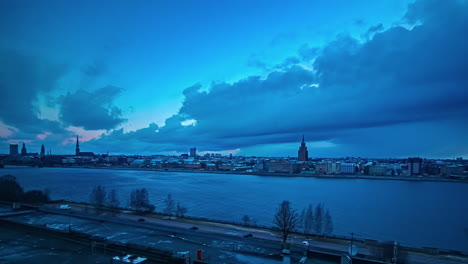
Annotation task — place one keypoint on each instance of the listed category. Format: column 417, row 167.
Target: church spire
column 23, row 150
column 77, row 150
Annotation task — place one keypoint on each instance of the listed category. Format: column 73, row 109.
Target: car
column 248, row 235
column 141, row 220
column 305, row 243
column 194, row 228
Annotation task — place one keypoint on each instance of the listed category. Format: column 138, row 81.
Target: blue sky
column 360, row 78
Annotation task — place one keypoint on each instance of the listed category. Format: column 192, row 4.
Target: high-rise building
column 414, row 166
column 42, row 150
column 193, row 152
column 303, row 154
column 13, row 149
column 24, row 152
column 77, row 149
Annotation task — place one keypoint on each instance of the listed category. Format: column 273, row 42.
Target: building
column 414, row 166
column 24, row 152
column 79, row 153
column 42, row 150
column 448, row 170
column 333, row 167
column 321, row 168
column 378, row 170
column 303, row 154
column 193, row 152
column 348, row 168
column 283, row 166
column 14, row 149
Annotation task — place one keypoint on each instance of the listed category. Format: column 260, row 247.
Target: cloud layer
column 92, row 110
column 351, row 93
column 399, row 75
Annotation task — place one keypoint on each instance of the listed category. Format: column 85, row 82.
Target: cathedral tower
column 303, row 154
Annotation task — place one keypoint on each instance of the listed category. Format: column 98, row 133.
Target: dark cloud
column 22, row 79
column 92, row 110
column 397, row 78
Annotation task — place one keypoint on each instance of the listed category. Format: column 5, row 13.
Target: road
column 231, row 237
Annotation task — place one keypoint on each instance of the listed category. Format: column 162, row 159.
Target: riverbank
column 287, row 175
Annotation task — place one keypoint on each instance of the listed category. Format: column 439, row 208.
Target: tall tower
column 193, row 152
column 13, row 149
column 77, row 150
column 42, row 151
column 303, row 154
column 414, row 166
column 23, row 150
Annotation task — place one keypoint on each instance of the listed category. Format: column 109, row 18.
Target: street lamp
column 69, row 220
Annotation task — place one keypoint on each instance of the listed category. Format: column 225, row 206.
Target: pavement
column 20, row 247
column 131, row 231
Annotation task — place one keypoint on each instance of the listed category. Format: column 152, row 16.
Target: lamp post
column 69, row 220
column 395, row 252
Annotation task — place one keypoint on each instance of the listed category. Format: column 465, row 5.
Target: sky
column 384, row 78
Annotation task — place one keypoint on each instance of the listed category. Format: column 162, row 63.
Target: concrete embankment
column 278, row 174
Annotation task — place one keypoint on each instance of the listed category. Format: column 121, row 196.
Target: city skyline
column 302, row 154
column 370, row 79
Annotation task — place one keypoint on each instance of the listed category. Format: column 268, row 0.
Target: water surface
column 433, row 214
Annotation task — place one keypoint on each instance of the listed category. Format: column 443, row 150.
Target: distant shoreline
column 274, row 174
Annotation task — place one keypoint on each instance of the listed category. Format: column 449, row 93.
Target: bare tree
column 308, row 219
column 300, row 223
column 285, row 219
column 112, row 200
column 328, row 224
column 246, row 220
column 170, row 205
column 98, row 196
column 318, row 219
column 139, row 201
column 180, row 210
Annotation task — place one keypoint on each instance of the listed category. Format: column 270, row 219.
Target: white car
column 305, row 243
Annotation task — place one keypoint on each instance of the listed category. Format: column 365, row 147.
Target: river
column 414, row 213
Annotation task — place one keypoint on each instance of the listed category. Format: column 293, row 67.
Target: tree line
column 11, row 191
column 312, row 220
column 138, row 201
column 316, row 220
